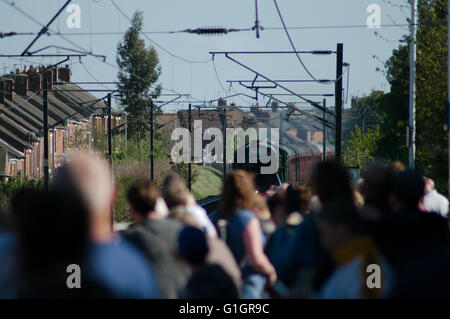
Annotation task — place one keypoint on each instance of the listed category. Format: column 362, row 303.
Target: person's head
column 298, row 199
column 175, row 191
column 193, row 245
column 90, row 180
column 338, row 224
column 377, row 185
column 53, row 232
column 396, row 167
column 429, row 184
column 143, row 198
column 238, row 192
column 277, row 209
column 331, row 181
column 408, row 189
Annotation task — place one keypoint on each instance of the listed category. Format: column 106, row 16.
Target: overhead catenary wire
column 92, row 76
column 293, row 46
column 112, row 33
column 91, row 33
column 156, row 43
column 42, row 25
column 220, row 82
column 217, row 75
column 45, row 27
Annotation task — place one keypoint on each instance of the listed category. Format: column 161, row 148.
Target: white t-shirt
column 202, row 218
column 435, row 202
column 347, row 280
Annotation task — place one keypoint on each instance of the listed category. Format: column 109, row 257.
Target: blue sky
column 199, row 79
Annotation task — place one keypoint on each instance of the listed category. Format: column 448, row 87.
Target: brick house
column 72, row 112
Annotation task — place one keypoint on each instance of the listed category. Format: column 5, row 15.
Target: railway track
column 210, row 204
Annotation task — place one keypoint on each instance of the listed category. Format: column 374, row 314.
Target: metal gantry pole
column 45, row 120
column 224, row 142
column 412, row 87
column 324, row 156
column 190, row 147
column 281, row 126
column 338, row 101
column 152, row 149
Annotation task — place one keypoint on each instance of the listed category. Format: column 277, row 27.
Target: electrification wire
column 293, row 46
column 217, row 75
column 42, row 25
column 99, row 33
column 156, row 43
column 350, row 26
column 12, row 34
column 92, row 76
column 84, row 51
column 220, row 82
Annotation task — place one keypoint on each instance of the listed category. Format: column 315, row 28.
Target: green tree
column 139, row 72
column 366, row 112
column 431, row 81
column 361, row 147
column 182, row 169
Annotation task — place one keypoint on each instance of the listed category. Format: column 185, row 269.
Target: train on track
column 297, row 159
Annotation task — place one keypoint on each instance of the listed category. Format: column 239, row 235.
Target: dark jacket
column 158, row 239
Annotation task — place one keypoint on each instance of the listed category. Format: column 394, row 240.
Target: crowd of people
column 386, row 237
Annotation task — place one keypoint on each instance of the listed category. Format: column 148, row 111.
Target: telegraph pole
column 45, row 120
column 338, row 101
column 110, row 157
column 109, row 132
column 190, row 148
column 412, row 87
column 281, row 127
column 126, row 132
column 152, row 150
column 224, row 142
column 324, row 157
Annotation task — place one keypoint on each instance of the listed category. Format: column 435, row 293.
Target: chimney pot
column 7, row 90
column 64, row 74
column 21, row 84
column 35, row 82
